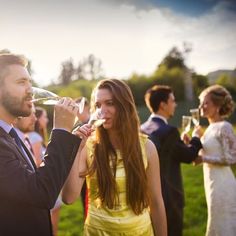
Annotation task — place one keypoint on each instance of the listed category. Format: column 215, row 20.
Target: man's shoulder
column 149, row 126
column 3, row 133
column 152, row 124
column 165, row 129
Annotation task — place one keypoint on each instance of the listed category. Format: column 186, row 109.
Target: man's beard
column 14, row 105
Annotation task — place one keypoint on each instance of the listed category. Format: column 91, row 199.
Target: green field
column 195, row 212
column 71, row 221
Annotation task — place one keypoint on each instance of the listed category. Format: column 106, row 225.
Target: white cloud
column 126, row 40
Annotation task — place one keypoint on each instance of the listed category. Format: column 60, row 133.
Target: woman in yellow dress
column 121, row 168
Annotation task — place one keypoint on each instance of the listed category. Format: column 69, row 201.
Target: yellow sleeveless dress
column 121, row 221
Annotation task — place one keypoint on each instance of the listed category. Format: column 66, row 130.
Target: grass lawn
column 71, row 220
column 195, row 213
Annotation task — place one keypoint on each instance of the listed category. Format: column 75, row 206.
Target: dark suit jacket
column 26, row 196
column 172, row 152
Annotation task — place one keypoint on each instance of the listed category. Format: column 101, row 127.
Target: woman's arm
column 227, row 140
column 73, row 185
column 157, row 209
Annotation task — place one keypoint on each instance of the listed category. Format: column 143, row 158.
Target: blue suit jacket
column 172, row 152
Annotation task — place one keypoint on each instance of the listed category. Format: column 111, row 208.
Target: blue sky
column 187, row 7
column 127, row 35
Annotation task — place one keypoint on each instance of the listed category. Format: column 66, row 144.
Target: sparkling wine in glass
column 186, row 123
column 45, row 97
column 95, row 119
column 195, row 116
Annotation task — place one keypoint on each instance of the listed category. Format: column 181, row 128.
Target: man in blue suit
column 172, row 152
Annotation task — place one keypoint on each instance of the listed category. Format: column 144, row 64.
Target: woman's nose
column 102, row 111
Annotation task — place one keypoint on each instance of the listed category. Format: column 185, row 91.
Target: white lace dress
column 219, row 152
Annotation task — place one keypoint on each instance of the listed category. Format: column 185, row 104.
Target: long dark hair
column 127, row 126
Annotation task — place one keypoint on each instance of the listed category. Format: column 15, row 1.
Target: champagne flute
column 95, row 119
column 45, row 97
column 186, row 123
column 195, row 116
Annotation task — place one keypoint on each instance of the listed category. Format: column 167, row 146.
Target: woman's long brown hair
column 127, row 126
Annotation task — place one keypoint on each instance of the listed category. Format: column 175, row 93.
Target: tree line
column 172, row 70
column 79, row 80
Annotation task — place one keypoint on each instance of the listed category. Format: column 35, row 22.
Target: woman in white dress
column 218, row 153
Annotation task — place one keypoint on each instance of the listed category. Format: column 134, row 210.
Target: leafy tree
column 75, row 89
column 228, row 82
column 173, row 77
column 67, row 72
column 90, row 68
column 139, row 85
column 173, row 72
column 174, row 58
column 200, row 82
column 223, row 80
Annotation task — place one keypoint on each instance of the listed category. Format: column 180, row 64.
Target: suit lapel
column 13, row 146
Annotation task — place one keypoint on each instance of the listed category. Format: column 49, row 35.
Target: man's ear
column 162, row 105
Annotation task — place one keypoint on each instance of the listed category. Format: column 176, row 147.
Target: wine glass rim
column 194, row 109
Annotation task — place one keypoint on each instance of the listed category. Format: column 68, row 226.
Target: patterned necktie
column 28, row 145
column 18, row 141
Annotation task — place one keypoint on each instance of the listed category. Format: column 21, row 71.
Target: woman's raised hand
column 83, row 132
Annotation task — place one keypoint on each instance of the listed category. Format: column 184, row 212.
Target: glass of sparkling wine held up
column 186, row 123
column 95, row 119
column 45, row 97
column 195, row 116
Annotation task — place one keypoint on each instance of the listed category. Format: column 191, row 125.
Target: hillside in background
column 214, row 75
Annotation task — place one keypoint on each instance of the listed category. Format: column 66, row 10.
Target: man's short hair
column 8, row 59
column 155, row 95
